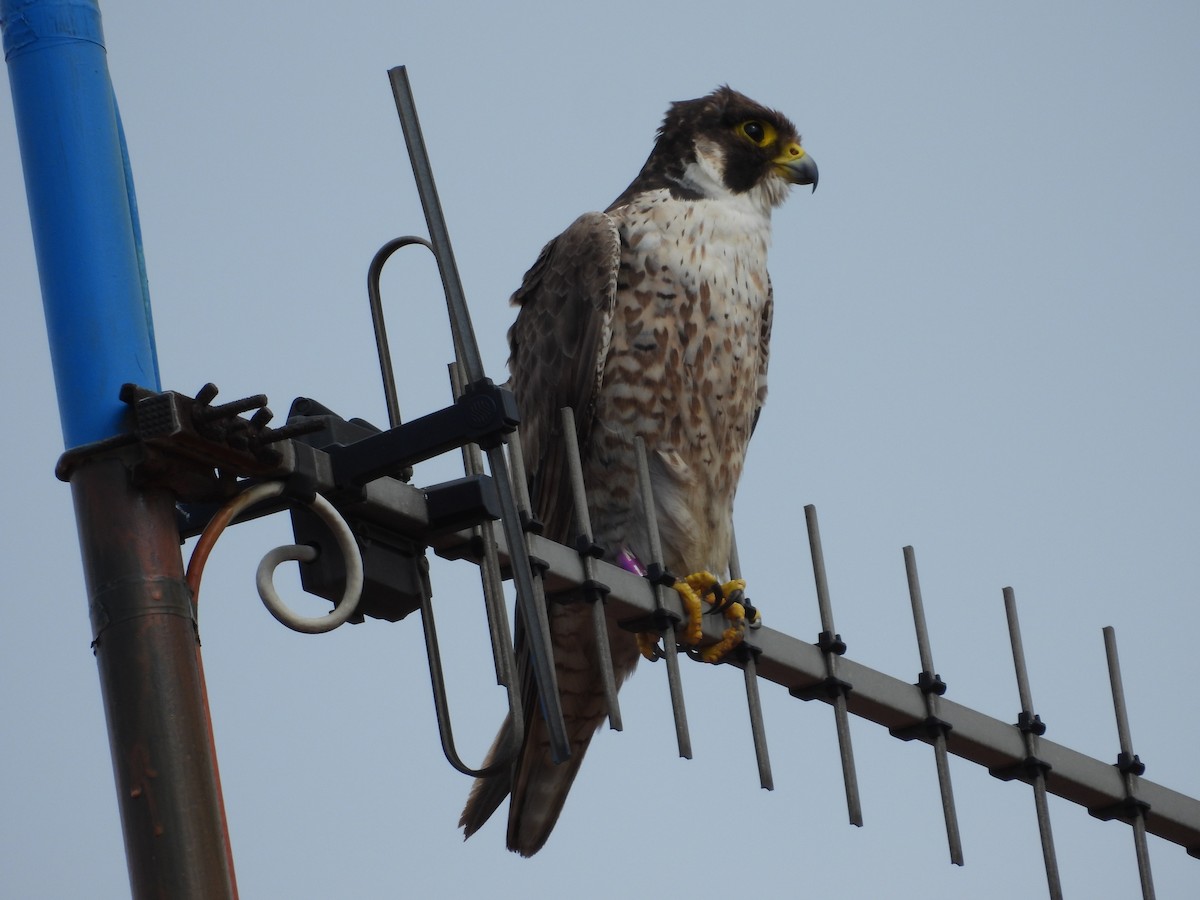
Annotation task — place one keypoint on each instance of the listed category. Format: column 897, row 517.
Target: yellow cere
column 791, row 153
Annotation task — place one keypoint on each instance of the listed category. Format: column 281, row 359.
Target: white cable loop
column 303, row 553
column 266, row 568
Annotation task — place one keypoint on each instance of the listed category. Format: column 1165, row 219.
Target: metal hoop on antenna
column 377, row 321
column 501, row 642
column 466, row 350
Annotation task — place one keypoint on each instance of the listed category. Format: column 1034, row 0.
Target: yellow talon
column 689, row 590
column 734, row 634
column 729, row 640
column 695, row 590
column 737, row 584
column 647, row 642
column 704, row 586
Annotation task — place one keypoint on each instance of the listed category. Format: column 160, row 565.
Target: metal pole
column 1032, row 729
column 85, row 232
column 81, row 209
column 930, row 686
column 758, row 730
column 594, row 598
column 541, row 654
column 838, row 697
column 1131, row 767
column 683, row 736
column 146, row 651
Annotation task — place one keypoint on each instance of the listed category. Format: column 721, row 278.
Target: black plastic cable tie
column 539, row 565
column 595, row 590
column 831, row 643
column 659, row 620
column 1029, row 723
column 1026, row 770
column 531, row 524
column 1126, row 810
column 589, row 591
column 587, row 547
column 827, row 688
column 745, row 650
column 658, row 574
column 931, row 683
column 928, row 727
column 1130, row 764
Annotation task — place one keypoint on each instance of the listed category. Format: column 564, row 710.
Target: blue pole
column 83, row 211
column 85, row 233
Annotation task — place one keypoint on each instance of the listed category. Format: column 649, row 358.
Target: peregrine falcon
column 651, row 318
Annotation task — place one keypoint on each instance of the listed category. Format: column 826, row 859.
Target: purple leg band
column 629, row 562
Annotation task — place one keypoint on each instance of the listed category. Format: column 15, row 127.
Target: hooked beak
column 797, row 166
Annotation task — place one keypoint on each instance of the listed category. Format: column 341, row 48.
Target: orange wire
column 195, row 571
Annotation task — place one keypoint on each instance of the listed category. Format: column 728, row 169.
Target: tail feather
column 488, row 793
column 538, row 785
column 540, row 789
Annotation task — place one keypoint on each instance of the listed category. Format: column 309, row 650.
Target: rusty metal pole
column 146, row 652
column 85, row 233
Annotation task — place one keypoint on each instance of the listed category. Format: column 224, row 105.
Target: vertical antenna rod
column 85, row 234
column 460, row 318
column 683, row 736
column 832, row 648
column 1131, row 767
column 748, row 653
column 932, row 687
column 1032, row 728
column 491, row 581
column 467, row 350
column 595, row 594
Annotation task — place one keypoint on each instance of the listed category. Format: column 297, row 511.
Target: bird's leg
column 647, row 641
column 628, row 561
column 694, row 591
column 728, row 598
column 690, row 591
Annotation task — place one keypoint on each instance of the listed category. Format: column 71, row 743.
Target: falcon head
column 724, row 144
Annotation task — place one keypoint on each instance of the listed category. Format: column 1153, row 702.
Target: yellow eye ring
column 757, row 132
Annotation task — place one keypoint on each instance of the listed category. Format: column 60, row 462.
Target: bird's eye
column 760, row 134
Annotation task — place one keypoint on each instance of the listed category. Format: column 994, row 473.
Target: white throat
column 705, row 176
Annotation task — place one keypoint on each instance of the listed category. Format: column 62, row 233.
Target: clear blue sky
column 984, row 346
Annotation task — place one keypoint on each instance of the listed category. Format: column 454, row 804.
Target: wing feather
column 559, row 344
column 764, row 353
